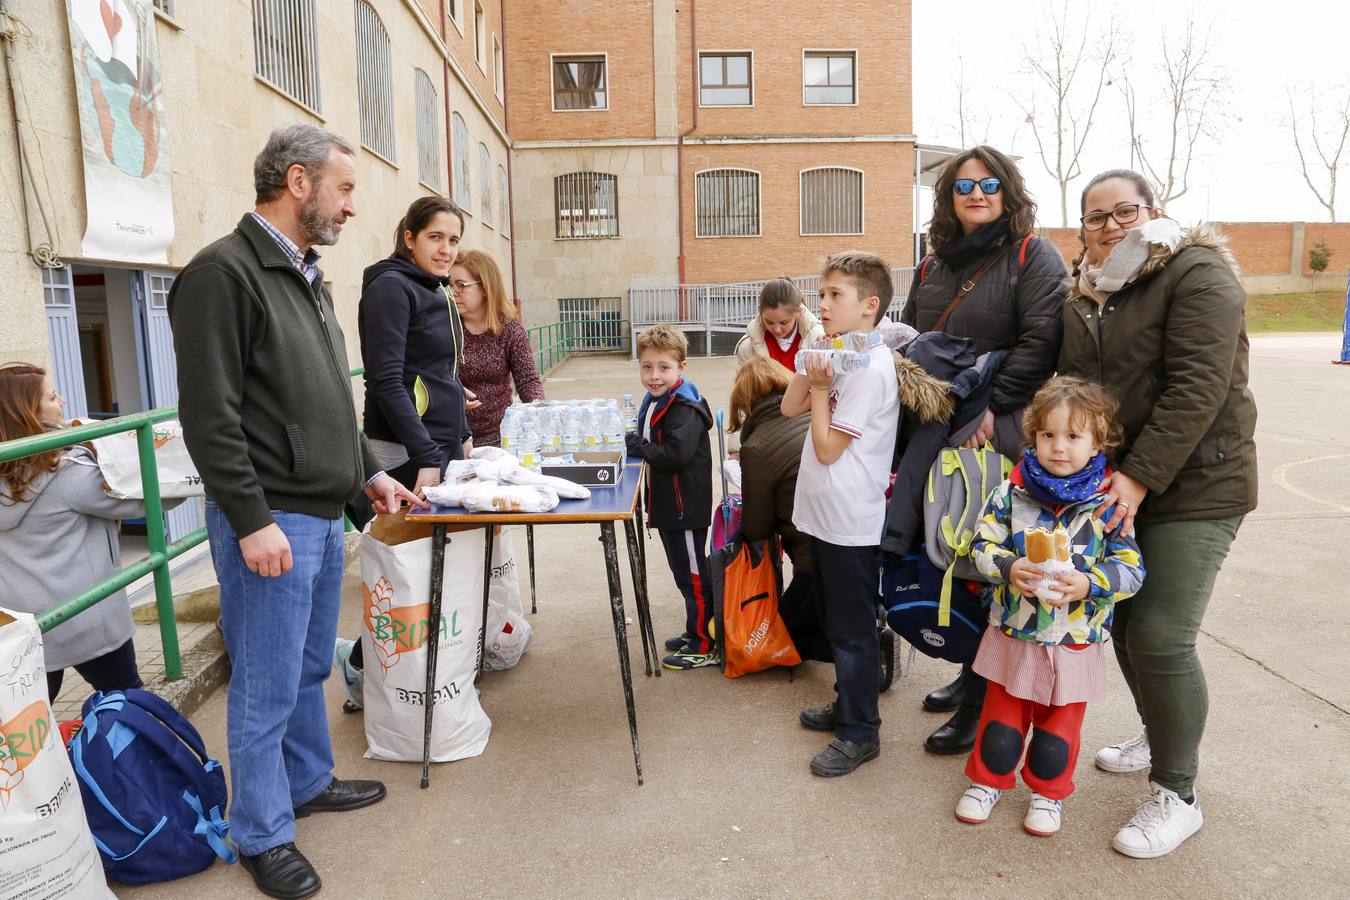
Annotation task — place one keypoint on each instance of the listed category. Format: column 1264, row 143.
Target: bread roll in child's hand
column 1049, row 551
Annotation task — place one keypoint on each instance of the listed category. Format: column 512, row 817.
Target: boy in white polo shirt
column 841, row 503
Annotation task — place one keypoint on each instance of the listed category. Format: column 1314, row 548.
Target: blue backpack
column 916, row 594
column 153, row 797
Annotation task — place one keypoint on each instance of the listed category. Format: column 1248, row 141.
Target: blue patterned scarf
column 1051, row 489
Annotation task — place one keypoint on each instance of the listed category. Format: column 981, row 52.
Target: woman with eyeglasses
column 988, row 279
column 496, row 348
column 1156, row 315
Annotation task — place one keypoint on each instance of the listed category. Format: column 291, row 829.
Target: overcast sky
column 1250, row 174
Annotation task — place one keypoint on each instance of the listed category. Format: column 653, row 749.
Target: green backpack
column 959, row 484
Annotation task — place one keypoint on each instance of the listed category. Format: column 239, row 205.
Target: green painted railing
column 161, row 552
column 555, row 341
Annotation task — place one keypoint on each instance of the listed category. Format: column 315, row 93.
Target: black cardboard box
column 598, row 468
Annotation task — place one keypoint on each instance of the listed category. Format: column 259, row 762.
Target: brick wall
column 1273, row 255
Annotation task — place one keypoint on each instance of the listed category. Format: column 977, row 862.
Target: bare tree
column 972, row 119
column 1069, row 63
column 1328, row 143
column 1192, row 93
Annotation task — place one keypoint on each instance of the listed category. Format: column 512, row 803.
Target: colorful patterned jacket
column 1110, row 561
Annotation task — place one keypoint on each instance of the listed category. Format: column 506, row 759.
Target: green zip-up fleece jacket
column 264, row 393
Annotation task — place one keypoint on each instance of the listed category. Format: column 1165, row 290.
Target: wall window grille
column 286, row 48
column 726, row 203
column 587, row 204
column 724, row 79
column 485, row 183
column 374, row 82
column 428, row 131
column 830, row 77
column 580, row 82
column 503, row 201
column 832, row 201
column 596, row 322
column 460, row 139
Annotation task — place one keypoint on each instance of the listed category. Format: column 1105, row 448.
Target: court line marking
column 1280, row 478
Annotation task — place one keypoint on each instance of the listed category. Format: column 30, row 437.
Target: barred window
column 586, row 204
column 479, row 28
column 374, row 82
column 832, row 201
column 428, row 131
column 460, row 138
column 829, row 77
column 579, row 82
column 286, row 48
column 724, row 79
column 498, row 73
column 503, row 202
column 726, row 203
column 596, row 323
column 485, row 183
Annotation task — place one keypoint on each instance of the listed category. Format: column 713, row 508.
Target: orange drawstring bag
column 752, row 633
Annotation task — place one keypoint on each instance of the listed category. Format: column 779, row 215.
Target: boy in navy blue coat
column 672, row 436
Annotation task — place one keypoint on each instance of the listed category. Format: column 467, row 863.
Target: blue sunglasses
column 987, row 185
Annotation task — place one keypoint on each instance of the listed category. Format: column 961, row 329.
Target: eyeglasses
column 1124, row 215
column 964, row 186
column 459, row 286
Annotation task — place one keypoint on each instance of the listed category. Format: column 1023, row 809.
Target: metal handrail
column 161, row 552
column 554, row 342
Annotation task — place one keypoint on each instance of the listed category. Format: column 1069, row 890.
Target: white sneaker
column 1163, row 821
column 1043, row 816
column 1128, row 756
column 976, row 803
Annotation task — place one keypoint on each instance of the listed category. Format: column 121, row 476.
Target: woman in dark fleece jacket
column 411, row 343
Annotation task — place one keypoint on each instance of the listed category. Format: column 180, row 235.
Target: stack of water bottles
column 845, row 353
column 547, row 431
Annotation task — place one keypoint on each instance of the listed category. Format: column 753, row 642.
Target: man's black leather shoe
column 841, row 757
column 282, row 872
column 957, row 735
column 819, row 718
column 341, row 796
column 948, row 697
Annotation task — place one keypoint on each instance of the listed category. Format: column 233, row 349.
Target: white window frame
column 292, row 32
column 480, row 48
column 596, row 177
column 747, row 52
column 485, row 184
column 499, row 71
column 463, row 180
column 456, row 16
column 375, row 73
column 801, row 202
column 428, row 132
column 552, row 89
column 503, row 200
column 857, row 85
column 759, row 202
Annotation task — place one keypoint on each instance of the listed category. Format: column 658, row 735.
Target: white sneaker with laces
column 1160, row 826
column 976, row 803
column 1043, row 816
column 1127, row 756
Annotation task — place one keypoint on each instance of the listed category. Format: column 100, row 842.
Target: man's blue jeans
column 279, row 632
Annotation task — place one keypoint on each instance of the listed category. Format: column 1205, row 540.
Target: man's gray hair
column 299, row 144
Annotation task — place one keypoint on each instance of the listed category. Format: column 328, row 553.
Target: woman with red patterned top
column 784, row 325
column 496, row 348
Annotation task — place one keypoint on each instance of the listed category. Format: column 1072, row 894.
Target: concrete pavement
column 552, row 808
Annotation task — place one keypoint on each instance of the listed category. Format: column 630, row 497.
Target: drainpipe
column 679, row 145
column 510, row 182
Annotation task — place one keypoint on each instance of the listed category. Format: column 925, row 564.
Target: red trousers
column 1050, row 756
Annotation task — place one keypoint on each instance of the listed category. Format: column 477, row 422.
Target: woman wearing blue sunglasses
column 989, row 280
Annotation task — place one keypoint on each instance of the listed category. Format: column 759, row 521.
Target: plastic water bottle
column 571, row 432
column 529, row 448
column 613, row 430
column 550, row 432
column 846, row 353
column 590, row 429
column 896, row 335
column 630, row 411
column 510, row 430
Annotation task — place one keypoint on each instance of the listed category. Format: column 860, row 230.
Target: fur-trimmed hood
column 1206, row 235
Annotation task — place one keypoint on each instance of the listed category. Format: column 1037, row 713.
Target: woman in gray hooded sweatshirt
column 58, row 537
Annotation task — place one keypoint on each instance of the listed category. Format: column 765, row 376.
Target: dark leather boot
column 948, row 697
column 957, row 734
column 282, row 872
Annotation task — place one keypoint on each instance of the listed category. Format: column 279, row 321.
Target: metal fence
column 554, row 342
column 728, row 307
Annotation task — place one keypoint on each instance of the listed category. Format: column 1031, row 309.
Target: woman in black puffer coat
column 981, row 233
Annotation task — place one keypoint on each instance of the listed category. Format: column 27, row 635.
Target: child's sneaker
column 678, row 642
column 977, row 803
column 689, row 659
column 1043, row 816
column 1160, row 826
column 353, row 679
column 1133, row 755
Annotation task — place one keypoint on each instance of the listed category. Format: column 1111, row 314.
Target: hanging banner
column 127, row 188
